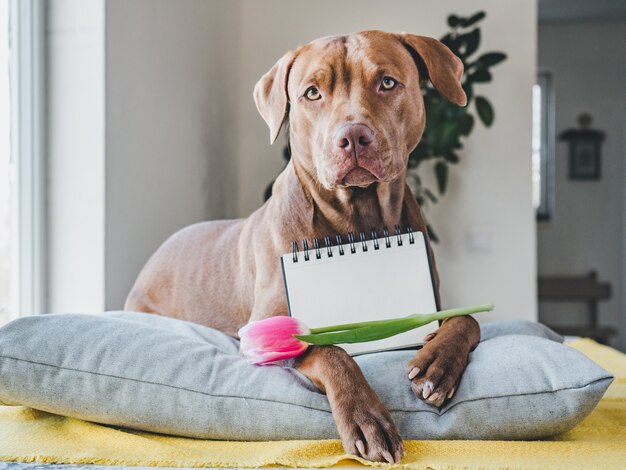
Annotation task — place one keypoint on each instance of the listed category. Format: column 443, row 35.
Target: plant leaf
column 471, row 41
column 451, row 157
column 490, row 59
column 468, row 88
column 429, row 194
column 467, row 124
column 472, row 19
column 453, row 21
column 485, row 110
column 441, row 172
column 359, row 335
column 451, row 41
column 480, row 76
column 381, row 329
column 448, row 135
column 421, row 153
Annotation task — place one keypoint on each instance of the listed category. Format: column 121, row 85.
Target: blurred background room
column 121, row 122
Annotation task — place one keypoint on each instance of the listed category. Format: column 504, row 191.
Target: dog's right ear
column 270, row 94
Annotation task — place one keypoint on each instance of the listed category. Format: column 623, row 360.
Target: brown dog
column 355, row 113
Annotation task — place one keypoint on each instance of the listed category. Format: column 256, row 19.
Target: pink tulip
column 272, row 339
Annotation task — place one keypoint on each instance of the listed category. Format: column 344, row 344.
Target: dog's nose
column 354, row 138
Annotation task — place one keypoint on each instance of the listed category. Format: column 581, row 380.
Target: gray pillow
column 517, row 327
column 168, row 376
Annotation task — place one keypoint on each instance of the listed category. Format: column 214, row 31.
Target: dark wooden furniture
column 585, row 289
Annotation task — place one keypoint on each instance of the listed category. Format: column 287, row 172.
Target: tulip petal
column 272, row 339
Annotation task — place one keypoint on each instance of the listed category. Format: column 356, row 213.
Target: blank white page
column 390, row 282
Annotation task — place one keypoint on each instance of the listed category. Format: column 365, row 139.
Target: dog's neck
column 344, row 210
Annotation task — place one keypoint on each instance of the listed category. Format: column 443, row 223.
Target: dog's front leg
column 363, row 423
column 437, row 368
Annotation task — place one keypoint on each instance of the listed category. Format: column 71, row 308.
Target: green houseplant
column 446, row 123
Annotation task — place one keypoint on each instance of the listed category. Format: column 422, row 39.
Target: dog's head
column 354, row 102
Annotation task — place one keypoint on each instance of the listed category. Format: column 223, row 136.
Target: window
column 543, row 147
column 22, row 227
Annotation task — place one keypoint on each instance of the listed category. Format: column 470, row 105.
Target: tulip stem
column 426, row 317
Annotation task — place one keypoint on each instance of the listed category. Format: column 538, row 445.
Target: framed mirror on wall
column 543, row 141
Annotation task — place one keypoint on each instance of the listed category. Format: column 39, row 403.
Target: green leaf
column 422, row 152
column 429, row 194
column 381, row 329
column 479, row 76
column 451, row 157
column 490, row 59
column 391, row 323
column 467, row 124
column 450, row 41
column 470, row 42
column 468, row 88
column 453, row 21
column 448, row 135
column 485, row 110
column 436, row 105
column 473, row 19
column 441, row 172
column 358, row 335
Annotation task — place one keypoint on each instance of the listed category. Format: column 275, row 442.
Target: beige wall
column 168, row 115
column 587, row 229
column 139, row 143
column 490, row 191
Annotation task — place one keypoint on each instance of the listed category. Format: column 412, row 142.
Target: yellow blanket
column 599, row 441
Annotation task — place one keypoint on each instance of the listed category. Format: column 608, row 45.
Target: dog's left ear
column 443, row 68
column 270, row 94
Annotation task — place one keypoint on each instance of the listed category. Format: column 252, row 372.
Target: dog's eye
column 388, row 83
column 312, row 94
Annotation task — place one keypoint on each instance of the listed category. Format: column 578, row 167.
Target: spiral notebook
column 365, row 278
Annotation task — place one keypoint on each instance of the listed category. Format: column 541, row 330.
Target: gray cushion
column 158, row 374
column 517, row 327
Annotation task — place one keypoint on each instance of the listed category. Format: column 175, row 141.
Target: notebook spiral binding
column 352, row 242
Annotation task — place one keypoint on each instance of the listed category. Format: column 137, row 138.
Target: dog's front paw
column 437, row 368
column 367, row 430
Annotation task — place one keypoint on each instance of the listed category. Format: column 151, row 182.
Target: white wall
column 490, row 191
column 586, row 231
